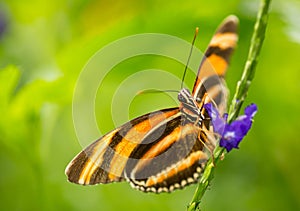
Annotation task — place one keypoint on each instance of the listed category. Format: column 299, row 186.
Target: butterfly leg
column 207, row 143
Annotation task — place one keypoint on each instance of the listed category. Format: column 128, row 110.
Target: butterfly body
column 189, row 107
column 166, row 149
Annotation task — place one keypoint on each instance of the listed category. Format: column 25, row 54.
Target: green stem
column 238, row 99
column 249, row 70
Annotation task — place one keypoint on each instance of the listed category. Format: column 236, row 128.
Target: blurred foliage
column 44, row 46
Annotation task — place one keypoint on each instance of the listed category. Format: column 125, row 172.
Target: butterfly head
column 188, row 106
column 184, row 96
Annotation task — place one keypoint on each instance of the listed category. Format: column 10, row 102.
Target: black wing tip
column 70, row 174
column 229, row 24
column 74, row 168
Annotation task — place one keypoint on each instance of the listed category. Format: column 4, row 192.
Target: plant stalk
column 238, row 99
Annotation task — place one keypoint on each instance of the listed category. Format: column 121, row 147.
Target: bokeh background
column 45, row 44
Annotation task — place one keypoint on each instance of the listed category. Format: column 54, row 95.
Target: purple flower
column 231, row 133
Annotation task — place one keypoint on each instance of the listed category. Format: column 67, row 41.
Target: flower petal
column 217, row 121
column 233, row 133
column 251, row 110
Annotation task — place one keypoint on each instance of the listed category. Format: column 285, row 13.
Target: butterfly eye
column 180, row 98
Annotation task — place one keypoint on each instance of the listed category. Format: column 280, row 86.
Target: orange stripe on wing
column 176, row 168
column 224, row 40
column 215, row 62
column 133, row 138
column 164, row 144
column 95, row 159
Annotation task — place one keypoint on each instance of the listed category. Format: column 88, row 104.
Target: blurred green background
column 45, row 44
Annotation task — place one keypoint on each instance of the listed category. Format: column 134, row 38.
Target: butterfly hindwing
column 172, row 162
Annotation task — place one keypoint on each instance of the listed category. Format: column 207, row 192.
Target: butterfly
column 167, row 149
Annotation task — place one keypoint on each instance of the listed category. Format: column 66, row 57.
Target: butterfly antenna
column 150, row 91
column 190, row 54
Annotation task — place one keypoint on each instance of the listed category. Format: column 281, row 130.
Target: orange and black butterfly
column 166, row 149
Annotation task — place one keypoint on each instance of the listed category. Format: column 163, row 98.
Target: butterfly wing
column 171, row 161
column 156, row 152
column 211, row 73
column 104, row 160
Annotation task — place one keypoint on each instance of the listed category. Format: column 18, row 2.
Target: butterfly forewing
column 167, row 149
column 105, row 159
column 212, row 70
